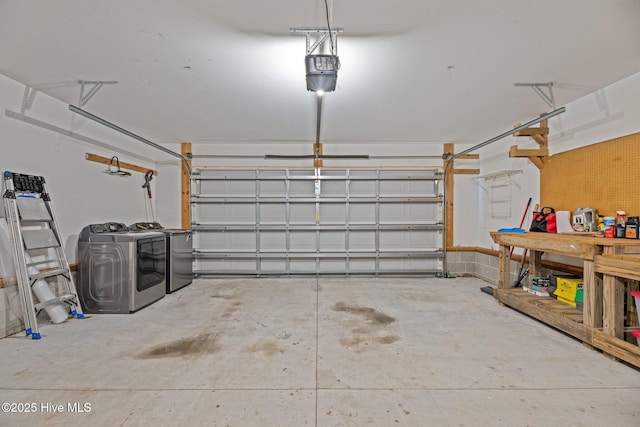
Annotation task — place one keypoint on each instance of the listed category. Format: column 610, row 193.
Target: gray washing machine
column 179, row 271
column 119, row 270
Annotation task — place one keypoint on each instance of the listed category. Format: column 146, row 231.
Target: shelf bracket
column 97, row 85
column 27, row 99
column 540, row 135
column 316, row 36
column 537, row 88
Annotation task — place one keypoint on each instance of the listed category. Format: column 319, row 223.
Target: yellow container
column 566, row 301
column 567, row 289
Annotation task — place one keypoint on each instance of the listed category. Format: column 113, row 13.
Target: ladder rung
column 61, row 299
column 40, row 239
column 44, row 261
column 49, row 273
column 35, row 221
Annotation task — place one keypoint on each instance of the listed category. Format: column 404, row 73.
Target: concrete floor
column 327, row 352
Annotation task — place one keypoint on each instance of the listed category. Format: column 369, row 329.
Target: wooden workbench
column 605, row 262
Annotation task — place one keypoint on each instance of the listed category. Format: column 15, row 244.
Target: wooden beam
column 514, row 151
column 317, row 163
column 540, row 139
column 469, row 157
column 539, row 162
column 448, row 149
column 123, row 165
column 466, row 171
column 185, row 149
column 532, row 131
column 623, row 350
column 619, row 265
column 539, row 134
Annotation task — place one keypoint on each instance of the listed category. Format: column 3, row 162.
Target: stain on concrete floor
column 368, row 328
column 370, row 314
column 267, row 347
column 192, row 346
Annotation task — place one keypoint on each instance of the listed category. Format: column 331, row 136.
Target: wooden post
column 186, row 187
column 611, row 309
column 504, row 267
column 317, row 162
column 613, row 306
column 592, row 287
column 448, row 149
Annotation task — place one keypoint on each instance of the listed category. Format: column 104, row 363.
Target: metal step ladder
column 37, row 252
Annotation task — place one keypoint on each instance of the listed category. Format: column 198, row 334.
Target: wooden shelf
column 546, row 309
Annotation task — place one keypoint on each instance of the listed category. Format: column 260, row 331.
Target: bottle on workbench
column 609, row 226
column 631, row 227
column 621, row 221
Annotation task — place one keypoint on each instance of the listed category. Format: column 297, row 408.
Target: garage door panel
column 301, row 188
column 228, row 266
column 302, row 241
column 225, row 187
column 362, row 213
column 332, row 241
column 405, row 213
column 272, row 213
column 408, row 264
column 415, row 240
column 228, row 213
column 272, row 188
column 273, row 241
column 302, row 266
column 226, row 241
column 271, row 266
column 362, row 240
column 363, row 188
column 332, row 266
column 332, row 213
column 303, row 213
column 362, row 266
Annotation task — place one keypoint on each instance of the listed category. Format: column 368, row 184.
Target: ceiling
column 210, row 71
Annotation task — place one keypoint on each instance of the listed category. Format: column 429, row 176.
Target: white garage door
column 320, row 222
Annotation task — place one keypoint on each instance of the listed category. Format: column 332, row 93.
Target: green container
column 580, row 295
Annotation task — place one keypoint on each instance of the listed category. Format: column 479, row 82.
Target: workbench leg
column 609, row 295
column 504, row 267
column 592, row 292
column 613, row 306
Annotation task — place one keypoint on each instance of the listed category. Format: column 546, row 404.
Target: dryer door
column 151, row 262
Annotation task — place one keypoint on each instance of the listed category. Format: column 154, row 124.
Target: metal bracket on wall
column 27, row 99
column 317, row 36
column 537, row 88
column 97, row 85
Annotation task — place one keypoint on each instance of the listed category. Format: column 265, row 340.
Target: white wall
column 80, row 193
column 598, row 116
